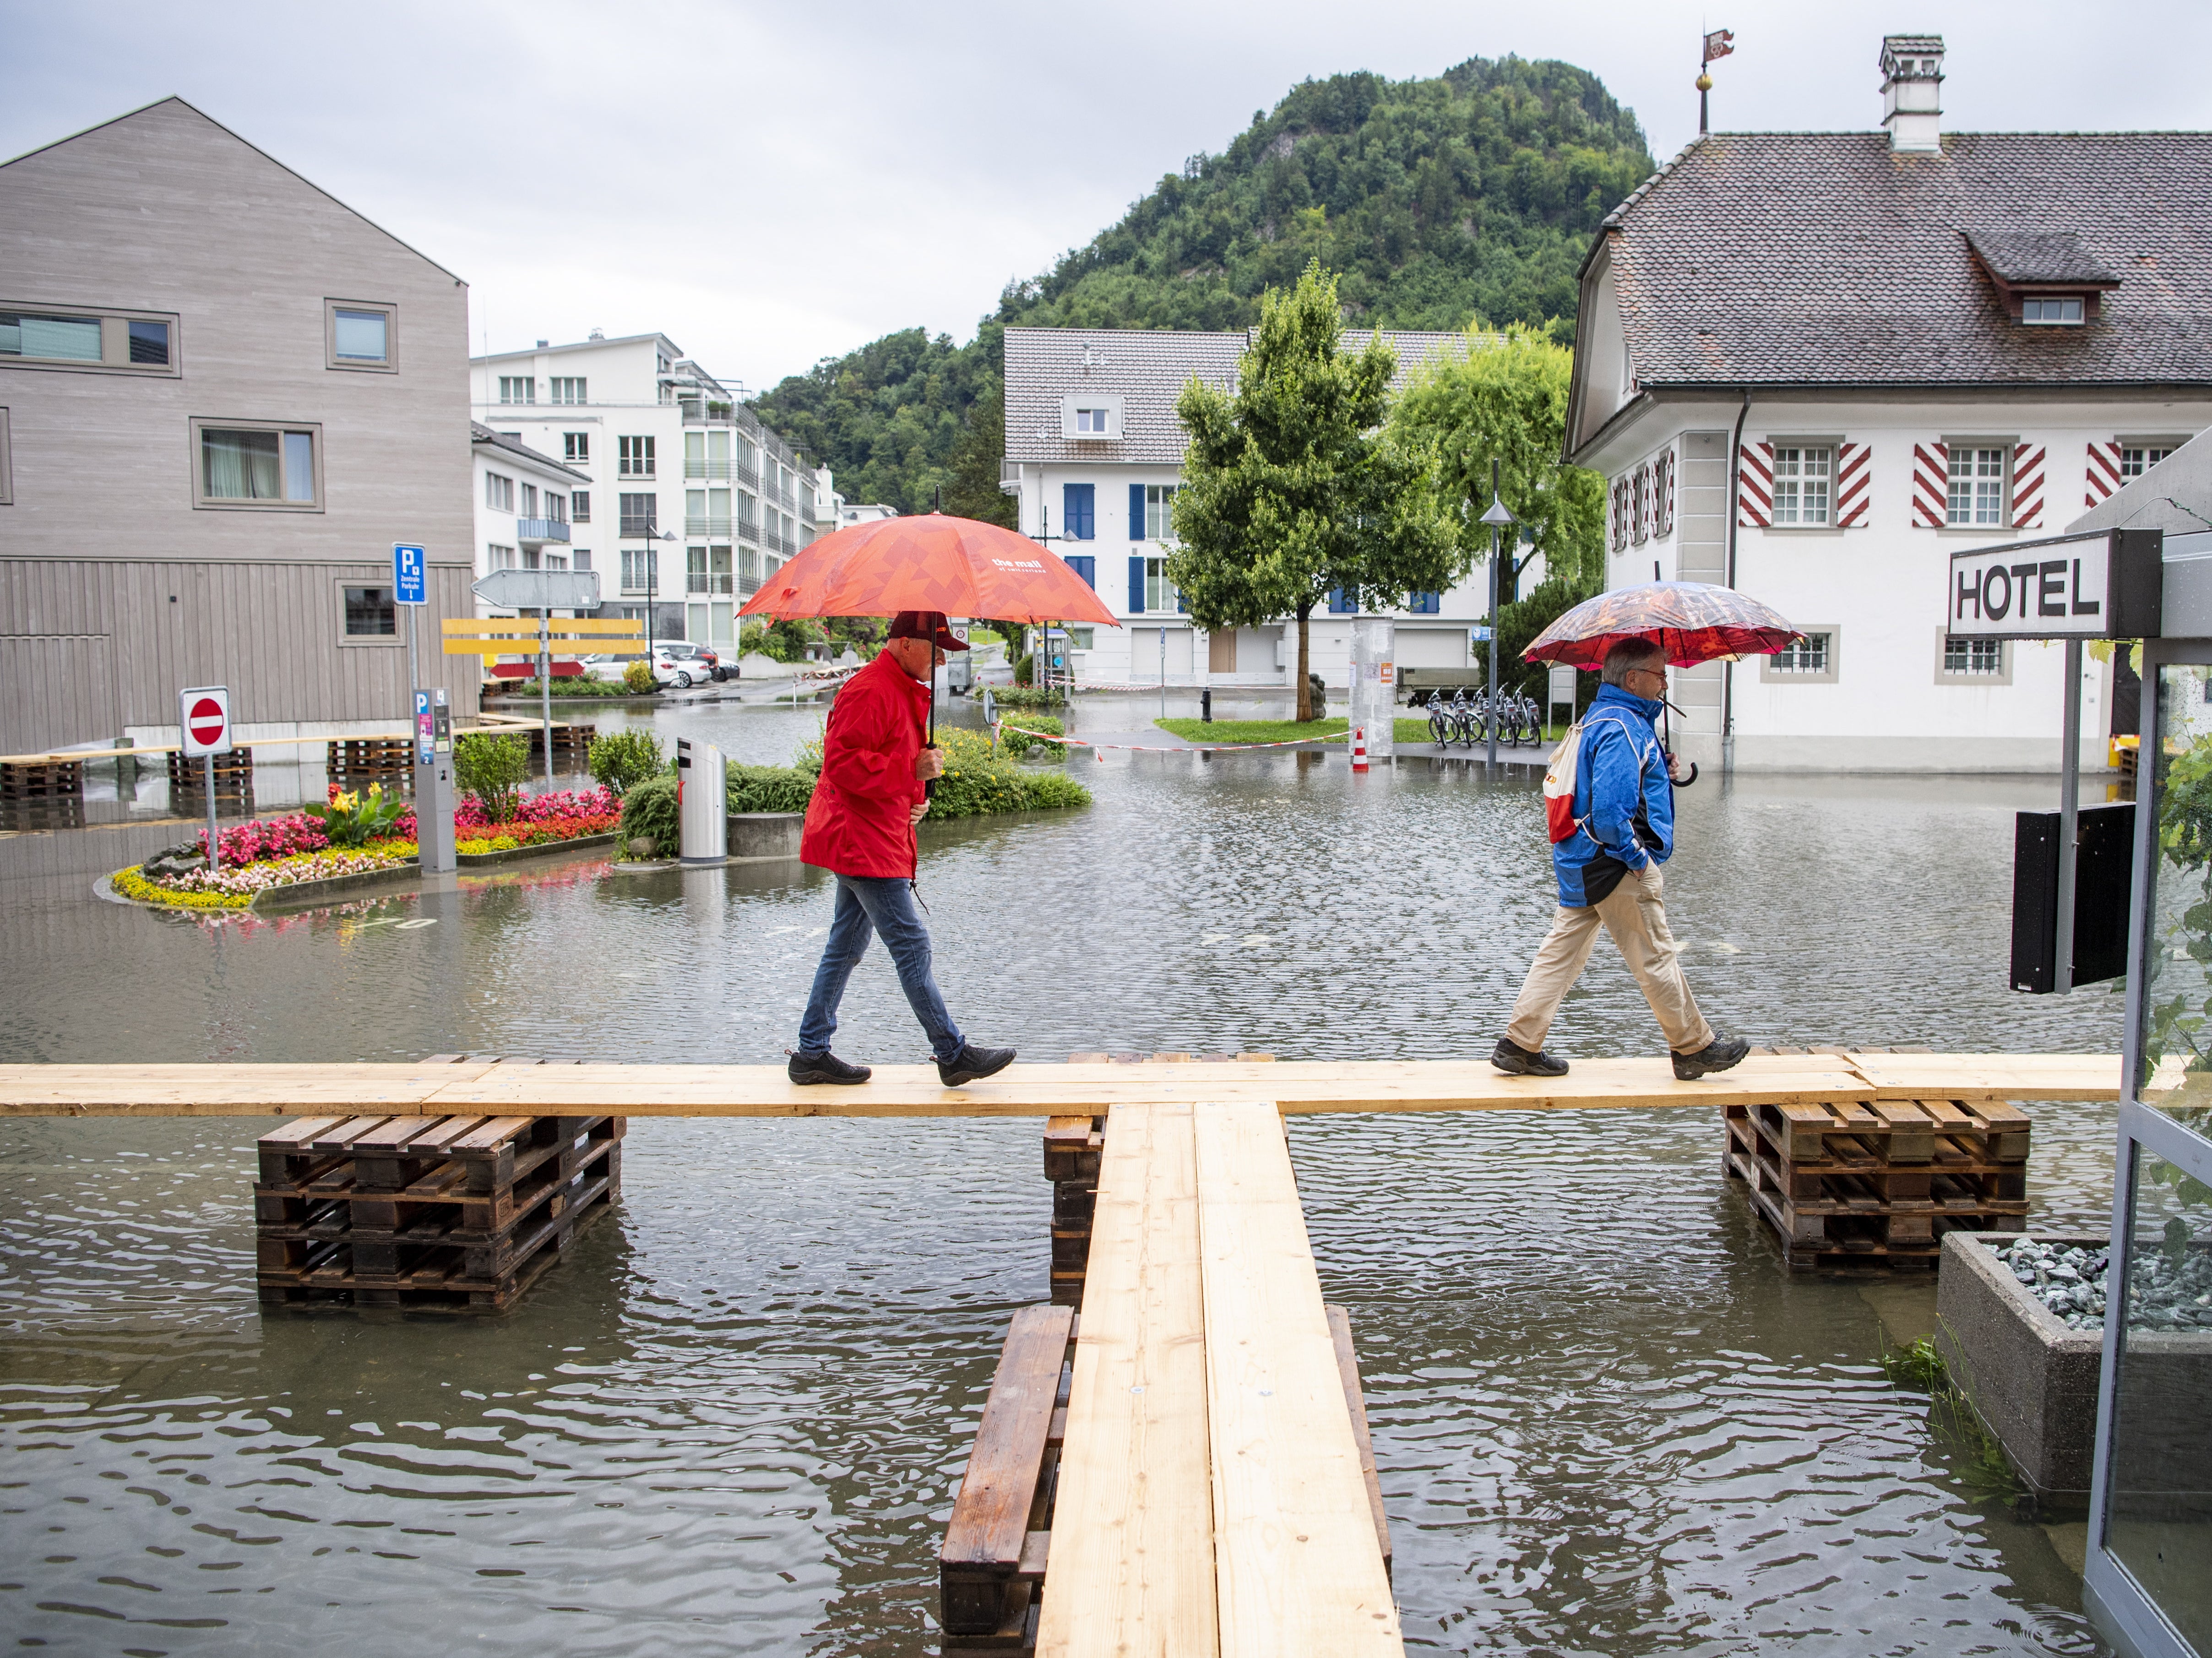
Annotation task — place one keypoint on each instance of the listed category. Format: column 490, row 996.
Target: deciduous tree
column 1292, row 487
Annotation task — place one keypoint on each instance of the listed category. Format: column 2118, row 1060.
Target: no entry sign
column 204, row 712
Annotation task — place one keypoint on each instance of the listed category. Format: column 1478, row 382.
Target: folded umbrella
column 1692, row 622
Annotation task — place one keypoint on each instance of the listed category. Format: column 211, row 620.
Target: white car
column 682, row 667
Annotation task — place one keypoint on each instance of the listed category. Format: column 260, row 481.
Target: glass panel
column 67, row 339
column 149, row 343
column 2176, row 1074
column 299, row 466
column 361, row 337
column 2161, row 1470
column 239, row 466
column 370, row 613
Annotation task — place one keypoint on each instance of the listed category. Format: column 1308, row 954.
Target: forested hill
column 1437, row 201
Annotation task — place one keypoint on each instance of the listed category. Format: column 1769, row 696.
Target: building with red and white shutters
column 1812, row 366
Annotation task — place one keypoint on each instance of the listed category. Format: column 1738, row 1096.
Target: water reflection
column 732, row 1418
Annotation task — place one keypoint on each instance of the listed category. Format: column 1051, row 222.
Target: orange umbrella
column 954, row 566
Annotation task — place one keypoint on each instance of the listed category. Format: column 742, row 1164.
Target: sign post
column 410, row 588
column 204, row 729
column 544, row 591
column 2106, row 583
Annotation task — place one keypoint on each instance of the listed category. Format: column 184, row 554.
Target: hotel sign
column 2104, row 584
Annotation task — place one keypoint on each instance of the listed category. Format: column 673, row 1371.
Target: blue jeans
column 865, row 905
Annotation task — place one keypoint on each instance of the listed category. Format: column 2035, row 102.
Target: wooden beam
column 1132, row 1562
column 1022, row 1091
column 1298, row 1569
column 1990, row 1076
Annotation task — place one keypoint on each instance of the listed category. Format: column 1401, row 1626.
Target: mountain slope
column 1471, row 194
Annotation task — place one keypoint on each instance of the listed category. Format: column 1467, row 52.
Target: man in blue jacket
column 1608, row 875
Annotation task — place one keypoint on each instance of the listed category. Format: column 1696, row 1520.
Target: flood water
column 731, row 1421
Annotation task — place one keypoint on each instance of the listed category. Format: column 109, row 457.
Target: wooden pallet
column 371, row 760
column 992, row 1565
column 1878, row 1183
column 459, row 1212
column 41, row 780
column 233, row 771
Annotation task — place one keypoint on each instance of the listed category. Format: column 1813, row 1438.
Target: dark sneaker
column 1717, row 1054
column 1517, row 1061
column 825, row 1067
column 972, row 1064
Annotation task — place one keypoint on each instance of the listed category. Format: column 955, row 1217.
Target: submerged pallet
column 462, row 1212
column 41, row 779
column 1880, row 1183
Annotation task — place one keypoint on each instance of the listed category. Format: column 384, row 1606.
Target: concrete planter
column 2032, row 1380
column 765, row 834
column 515, row 854
column 309, row 895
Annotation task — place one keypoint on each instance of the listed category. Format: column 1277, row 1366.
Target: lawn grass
column 1332, row 730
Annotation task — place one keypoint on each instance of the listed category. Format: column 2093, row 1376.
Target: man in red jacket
column 873, row 791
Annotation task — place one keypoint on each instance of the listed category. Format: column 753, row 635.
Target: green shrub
column 781, row 641
column 1016, row 743
column 1026, row 696
column 1025, row 670
column 650, row 809
column 637, row 678
column 571, row 687
column 492, row 766
column 623, row 759
column 770, row 788
column 977, row 780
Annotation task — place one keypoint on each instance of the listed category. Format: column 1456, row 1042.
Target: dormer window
column 1091, row 417
column 2048, row 310
column 2044, row 278
column 1090, row 422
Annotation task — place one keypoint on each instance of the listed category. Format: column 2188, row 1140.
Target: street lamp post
column 1497, row 518
column 652, row 575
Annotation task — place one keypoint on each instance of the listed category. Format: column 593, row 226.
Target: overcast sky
column 770, row 184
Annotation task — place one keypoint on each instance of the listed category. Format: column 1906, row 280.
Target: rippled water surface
column 731, row 1420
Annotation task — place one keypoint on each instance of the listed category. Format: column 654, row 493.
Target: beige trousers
column 1634, row 915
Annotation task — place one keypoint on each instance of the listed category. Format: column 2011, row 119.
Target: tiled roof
column 1827, row 259
column 2016, row 256
column 1148, row 367
column 481, row 433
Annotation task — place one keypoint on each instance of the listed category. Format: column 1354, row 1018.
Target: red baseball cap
column 925, row 624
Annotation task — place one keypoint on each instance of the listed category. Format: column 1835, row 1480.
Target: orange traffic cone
column 1359, row 749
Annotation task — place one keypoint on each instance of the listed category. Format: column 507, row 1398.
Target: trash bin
column 702, row 809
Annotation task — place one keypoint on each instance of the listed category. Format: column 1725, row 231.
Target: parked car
column 679, row 666
column 718, row 670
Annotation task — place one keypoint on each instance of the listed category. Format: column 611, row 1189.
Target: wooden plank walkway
column 487, row 1088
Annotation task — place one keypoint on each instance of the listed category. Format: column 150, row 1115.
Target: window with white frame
column 518, row 388
column 502, row 558
column 2053, row 310
column 569, row 389
column 499, row 492
column 1803, row 476
column 633, row 457
column 555, row 561
column 580, row 506
column 1160, row 512
column 262, row 465
column 1159, row 591
column 1090, row 422
column 529, row 501
column 556, row 506
column 1639, row 505
column 1973, row 656
column 576, row 448
column 1662, row 494
column 1620, row 513
column 1976, row 496
column 2137, row 458
column 640, row 514
column 637, row 568
column 1807, row 654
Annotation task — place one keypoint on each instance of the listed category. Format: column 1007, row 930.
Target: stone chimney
column 1911, row 84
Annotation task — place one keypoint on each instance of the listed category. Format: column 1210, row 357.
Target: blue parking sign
column 407, row 582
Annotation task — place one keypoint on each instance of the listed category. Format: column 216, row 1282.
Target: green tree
column 493, row 766
column 972, row 490
column 1293, row 487
column 1508, row 403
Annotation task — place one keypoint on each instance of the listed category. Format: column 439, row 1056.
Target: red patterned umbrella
column 1691, row 621
column 954, row 566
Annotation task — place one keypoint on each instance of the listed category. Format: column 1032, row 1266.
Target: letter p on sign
column 203, row 715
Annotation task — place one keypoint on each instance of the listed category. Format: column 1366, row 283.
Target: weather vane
column 1718, row 44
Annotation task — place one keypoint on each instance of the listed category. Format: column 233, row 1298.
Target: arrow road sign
column 204, row 713
column 407, row 578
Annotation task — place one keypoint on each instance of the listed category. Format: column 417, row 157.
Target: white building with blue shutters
column 1094, row 452
column 1812, row 366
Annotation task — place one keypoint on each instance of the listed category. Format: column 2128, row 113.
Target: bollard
column 702, row 811
column 1360, row 748
column 1205, row 705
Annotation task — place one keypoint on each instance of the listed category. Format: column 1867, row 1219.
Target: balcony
column 536, row 531
column 637, row 526
column 1010, row 478
column 699, row 524
column 697, row 413
column 747, row 474
column 706, row 469
column 749, row 530
column 710, row 582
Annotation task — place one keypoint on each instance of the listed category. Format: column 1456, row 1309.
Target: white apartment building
column 689, row 502
column 1813, row 365
column 523, row 502
column 1094, row 453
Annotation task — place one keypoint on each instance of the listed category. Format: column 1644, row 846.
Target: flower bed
column 537, row 820
column 236, row 888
